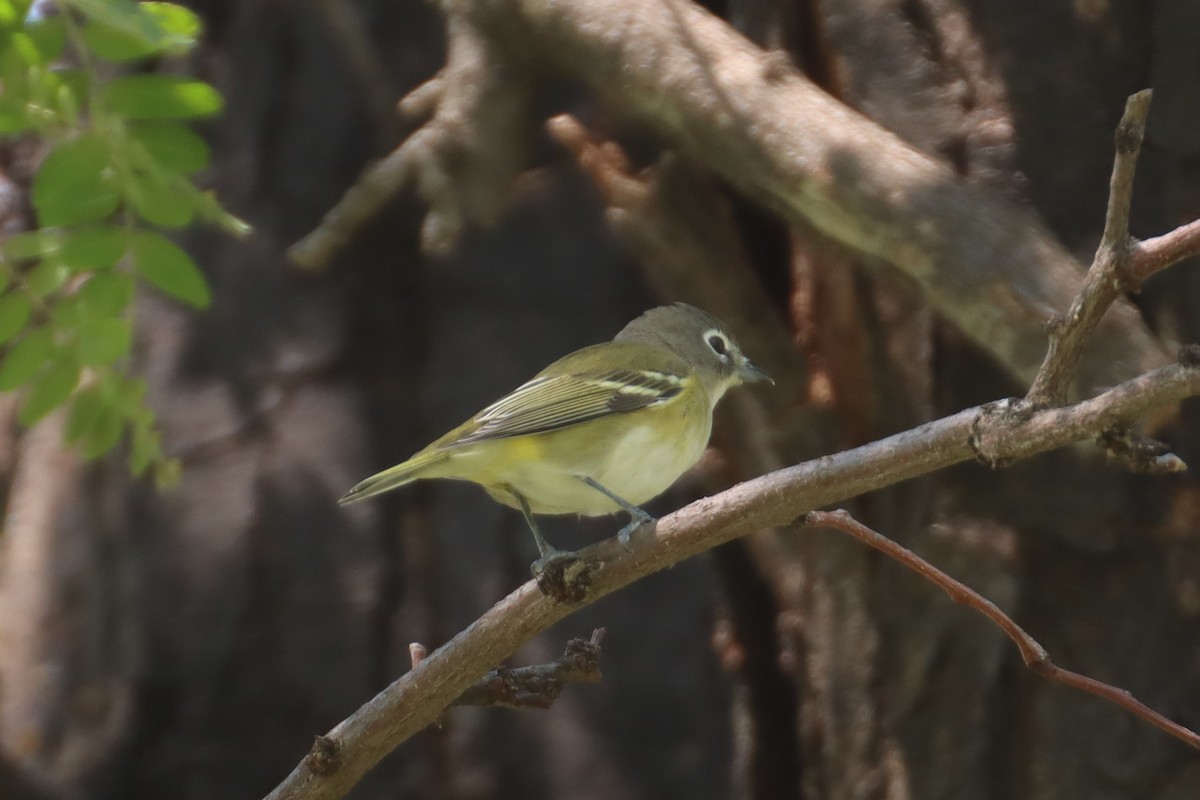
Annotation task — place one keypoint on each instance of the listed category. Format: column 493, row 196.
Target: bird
column 601, row 430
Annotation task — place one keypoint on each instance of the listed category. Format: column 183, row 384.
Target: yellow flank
column 524, row 448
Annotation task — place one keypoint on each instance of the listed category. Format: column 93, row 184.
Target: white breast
column 638, row 468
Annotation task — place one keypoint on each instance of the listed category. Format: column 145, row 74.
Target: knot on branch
column 566, row 578
column 325, row 756
column 983, row 440
column 1129, row 135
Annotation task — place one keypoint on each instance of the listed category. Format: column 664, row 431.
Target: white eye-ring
column 718, row 342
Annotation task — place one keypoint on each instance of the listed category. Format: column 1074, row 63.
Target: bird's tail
column 389, row 479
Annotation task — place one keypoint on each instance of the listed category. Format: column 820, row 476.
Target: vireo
column 603, row 429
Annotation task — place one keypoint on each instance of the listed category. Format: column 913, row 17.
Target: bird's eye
column 718, row 344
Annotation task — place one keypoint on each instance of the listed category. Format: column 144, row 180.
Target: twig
column 538, row 686
column 1032, row 653
column 416, row 699
column 462, row 161
column 1139, row 453
column 361, row 203
column 416, row 653
column 1105, row 279
column 1153, row 255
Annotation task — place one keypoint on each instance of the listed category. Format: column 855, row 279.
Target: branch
column 1032, row 653
column 538, row 686
column 1106, row 278
column 462, row 160
column 1153, row 255
column 418, row 698
column 984, row 263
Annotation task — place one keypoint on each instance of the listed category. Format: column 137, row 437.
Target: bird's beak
column 752, row 374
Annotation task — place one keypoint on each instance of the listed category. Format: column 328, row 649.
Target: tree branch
column 1106, row 278
column 1032, row 653
column 462, row 160
column 418, row 698
column 983, row 262
column 1153, row 255
column 538, row 686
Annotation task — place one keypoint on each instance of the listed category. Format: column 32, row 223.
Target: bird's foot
column 639, row 531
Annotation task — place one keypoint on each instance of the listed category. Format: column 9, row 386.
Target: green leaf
column 210, row 211
column 130, row 397
column 173, row 145
column 13, row 116
column 49, row 36
column 105, row 295
column 96, row 421
column 124, row 15
column 30, row 244
column 175, row 20
column 67, row 312
column 161, row 97
column 48, row 276
column 115, row 44
column 12, row 12
column 105, row 434
column 71, row 91
column 167, row 267
column 119, row 30
column 73, row 184
column 49, row 391
column 162, row 202
column 145, row 448
column 25, row 358
column 15, row 310
column 86, row 408
column 22, row 49
column 93, row 247
column 103, row 341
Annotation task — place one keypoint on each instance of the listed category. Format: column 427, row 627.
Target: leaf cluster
column 119, row 169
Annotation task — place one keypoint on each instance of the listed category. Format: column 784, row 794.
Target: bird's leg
column 560, row 574
column 637, row 517
column 545, row 549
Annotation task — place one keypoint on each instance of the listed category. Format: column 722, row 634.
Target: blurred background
column 190, row 644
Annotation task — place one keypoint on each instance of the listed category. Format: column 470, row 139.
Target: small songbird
column 605, row 428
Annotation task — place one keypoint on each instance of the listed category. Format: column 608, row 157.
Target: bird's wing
column 563, row 397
